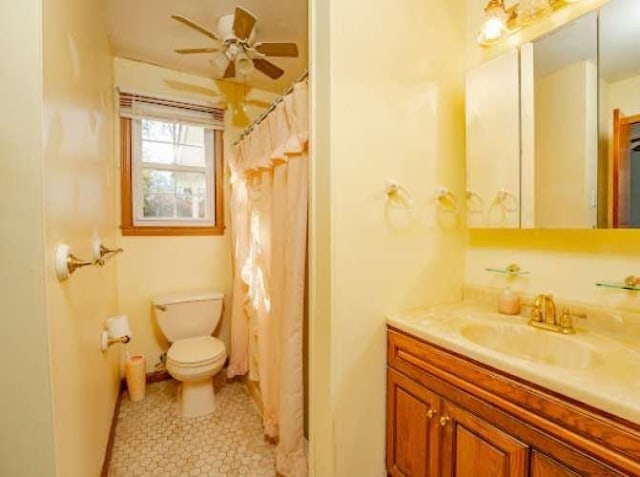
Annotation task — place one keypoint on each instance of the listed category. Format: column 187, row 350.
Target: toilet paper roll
column 118, row 326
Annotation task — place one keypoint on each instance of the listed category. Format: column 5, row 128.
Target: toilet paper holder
column 107, row 341
column 117, row 330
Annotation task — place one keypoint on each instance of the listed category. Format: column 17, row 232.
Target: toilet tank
column 188, row 314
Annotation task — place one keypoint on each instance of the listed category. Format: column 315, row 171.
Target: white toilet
column 187, row 320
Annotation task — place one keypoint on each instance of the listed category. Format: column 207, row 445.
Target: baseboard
column 112, row 432
column 157, row 376
column 154, row 377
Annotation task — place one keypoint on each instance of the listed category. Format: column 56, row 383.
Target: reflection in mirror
column 493, row 143
column 619, row 181
column 560, row 127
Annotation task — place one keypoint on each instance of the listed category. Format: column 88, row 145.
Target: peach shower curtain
column 269, row 228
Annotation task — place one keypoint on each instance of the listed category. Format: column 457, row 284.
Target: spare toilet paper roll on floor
column 118, row 326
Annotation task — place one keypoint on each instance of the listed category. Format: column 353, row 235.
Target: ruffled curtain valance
column 284, row 133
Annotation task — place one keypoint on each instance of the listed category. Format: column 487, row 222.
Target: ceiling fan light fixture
column 240, row 54
column 494, row 25
column 220, row 61
column 244, row 65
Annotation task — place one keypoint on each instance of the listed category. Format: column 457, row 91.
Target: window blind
column 137, row 106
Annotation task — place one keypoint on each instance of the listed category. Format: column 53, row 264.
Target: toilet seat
column 196, row 352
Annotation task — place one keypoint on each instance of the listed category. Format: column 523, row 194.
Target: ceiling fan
column 239, row 54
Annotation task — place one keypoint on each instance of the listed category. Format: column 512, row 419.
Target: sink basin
column 543, row 347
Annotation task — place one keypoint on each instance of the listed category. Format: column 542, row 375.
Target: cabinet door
column 472, row 447
column 413, row 435
column 543, row 466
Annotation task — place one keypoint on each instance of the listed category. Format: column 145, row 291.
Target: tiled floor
column 153, row 440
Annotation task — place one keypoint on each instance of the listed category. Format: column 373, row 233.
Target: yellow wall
column 624, row 95
column 567, row 263
column 79, row 184
column 26, row 437
column 396, row 110
column 156, row 265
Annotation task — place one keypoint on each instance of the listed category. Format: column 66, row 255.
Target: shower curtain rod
column 271, row 107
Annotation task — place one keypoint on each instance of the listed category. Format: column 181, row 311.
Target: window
column 172, row 170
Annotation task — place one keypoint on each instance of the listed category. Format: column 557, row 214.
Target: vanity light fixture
column 494, row 25
column 530, row 10
column 498, row 21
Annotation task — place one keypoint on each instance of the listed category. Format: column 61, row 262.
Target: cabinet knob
column 444, row 420
column 431, row 413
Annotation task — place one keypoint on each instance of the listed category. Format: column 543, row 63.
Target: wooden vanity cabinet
column 473, row 447
column 413, row 433
column 450, row 416
column 428, row 436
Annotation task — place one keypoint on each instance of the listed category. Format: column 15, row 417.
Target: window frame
column 128, row 225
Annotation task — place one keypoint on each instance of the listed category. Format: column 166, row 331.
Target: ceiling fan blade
column 195, row 26
column 268, row 68
column 278, row 49
column 243, row 23
column 230, row 72
column 189, row 51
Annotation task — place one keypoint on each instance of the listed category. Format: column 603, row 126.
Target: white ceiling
column 143, row 30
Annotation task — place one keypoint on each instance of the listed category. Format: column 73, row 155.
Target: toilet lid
column 193, row 351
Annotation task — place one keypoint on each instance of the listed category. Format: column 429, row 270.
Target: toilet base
column 196, row 398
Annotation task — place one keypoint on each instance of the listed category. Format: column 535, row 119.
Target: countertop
column 611, row 382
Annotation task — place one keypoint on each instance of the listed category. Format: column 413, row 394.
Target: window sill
column 156, row 231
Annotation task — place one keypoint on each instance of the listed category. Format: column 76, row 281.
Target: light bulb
column 495, row 23
column 220, row 62
column 244, row 64
column 492, row 29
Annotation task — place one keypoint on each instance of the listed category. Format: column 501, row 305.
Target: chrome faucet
column 543, row 316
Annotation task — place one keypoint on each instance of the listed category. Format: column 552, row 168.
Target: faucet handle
column 536, row 310
column 566, row 321
column 536, row 314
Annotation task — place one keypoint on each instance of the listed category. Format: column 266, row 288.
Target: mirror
column 493, row 143
column 553, row 130
column 619, row 114
column 559, row 98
